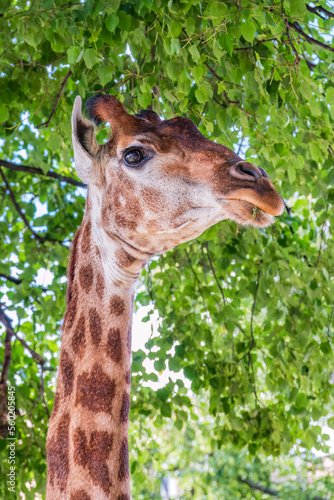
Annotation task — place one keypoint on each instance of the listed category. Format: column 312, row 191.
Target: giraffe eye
column 134, row 157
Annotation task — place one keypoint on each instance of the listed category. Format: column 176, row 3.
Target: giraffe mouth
column 248, row 214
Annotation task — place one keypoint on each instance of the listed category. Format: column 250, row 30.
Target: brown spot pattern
column 124, row 259
column 153, row 199
column 57, row 453
column 122, row 221
column 128, row 377
column 124, row 413
column 86, row 277
column 71, row 309
column 117, row 305
column 67, row 372
column 56, row 403
column 80, row 445
column 94, row 455
column 80, row 495
column 95, row 326
column 129, row 339
column 100, row 285
column 95, row 390
column 106, row 210
column 72, row 264
column 79, row 337
column 123, row 471
column 97, row 252
column 114, row 345
column 86, row 237
column 123, row 496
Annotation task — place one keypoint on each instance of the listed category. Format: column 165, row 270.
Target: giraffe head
column 158, row 183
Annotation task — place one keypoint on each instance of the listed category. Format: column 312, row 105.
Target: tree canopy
column 246, row 315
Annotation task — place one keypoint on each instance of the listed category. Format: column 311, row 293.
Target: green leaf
column 166, row 410
column 55, row 141
column 91, row 58
column 247, row 30
column 145, row 100
column 198, row 72
column 106, row 74
column 73, row 54
column 175, row 45
column 297, row 9
column 4, row 113
column 291, row 174
column 203, row 93
column 111, row 22
column 194, row 53
column 114, row 4
column 173, row 69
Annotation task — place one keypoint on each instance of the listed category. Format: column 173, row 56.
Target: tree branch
column 17, row 281
column 39, row 171
column 7, row 322
column 259, row 487
column 56, row 101
column 315, row 10
column 308, row 38
column 22, row 214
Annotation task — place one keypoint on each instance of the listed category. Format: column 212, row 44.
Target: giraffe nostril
column 264, row 173
column 247, row 168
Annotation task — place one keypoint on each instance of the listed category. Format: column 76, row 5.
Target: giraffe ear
column 84, row 141
column 106, row 108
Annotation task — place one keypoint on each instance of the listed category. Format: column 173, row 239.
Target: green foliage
column 246, row 315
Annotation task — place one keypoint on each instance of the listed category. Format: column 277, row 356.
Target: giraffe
column 155, row 184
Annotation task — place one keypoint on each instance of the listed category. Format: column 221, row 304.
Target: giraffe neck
column 87, row 442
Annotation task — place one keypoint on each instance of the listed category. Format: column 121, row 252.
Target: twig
column 221, row 79
column 40, row 394
column 259, row 487
column 22, row 215
column 39, row 171
column 56, row 101
column 6, row 321
column 252, row 336
column 214, row 273
column 321, row 241
column 297, row 57
column 255, row 45
column 37, row 357
column 329, row 323
column 194, row 272
column 236, row 103
column 38, row 12
column 222, row 291
column 254, row 304
column 250, row 361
